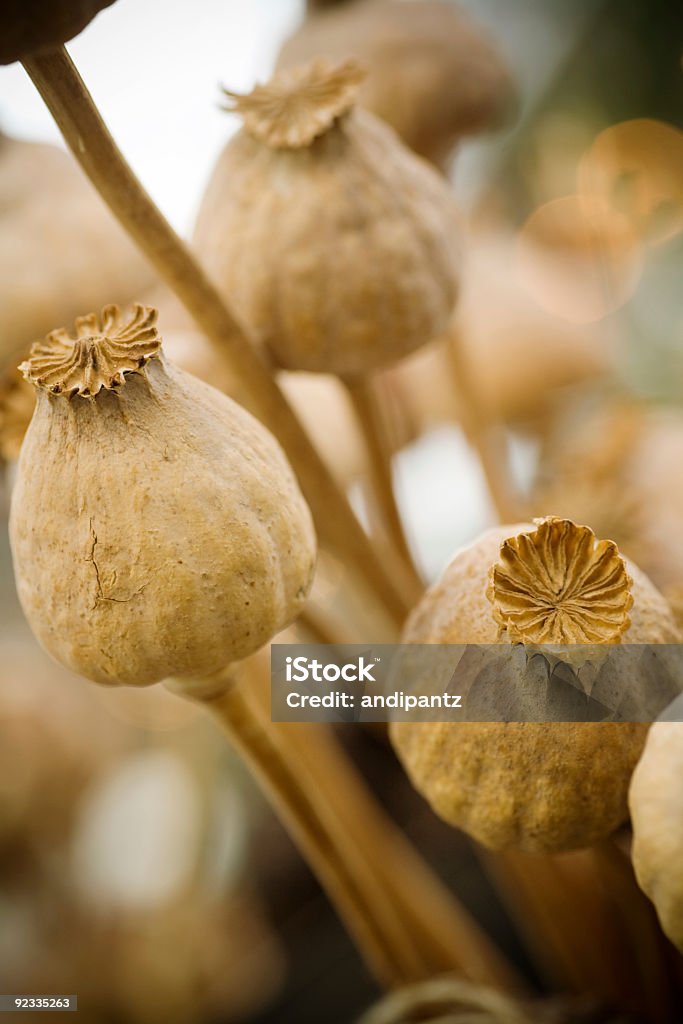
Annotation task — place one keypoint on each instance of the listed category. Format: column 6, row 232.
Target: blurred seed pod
column 617, row 467
column 544, row 787
column 335, row 243
column 525, row 363
column 433, row 74
column 29, row 26
column 61, row 250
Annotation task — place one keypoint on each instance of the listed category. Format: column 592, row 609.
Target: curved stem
column 370, row 420
column 407, row 926
column 58, row 82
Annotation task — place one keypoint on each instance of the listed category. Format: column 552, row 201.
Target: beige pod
column 332, row 240
column 156, row 527
column 540, row 787
column 656, row 802
column 433, row 74
column 52, row 222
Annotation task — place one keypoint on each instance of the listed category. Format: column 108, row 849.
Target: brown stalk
column 484, row 436
column 406, row 924
column 588, row 927
column 371, row 421
column 64, row 93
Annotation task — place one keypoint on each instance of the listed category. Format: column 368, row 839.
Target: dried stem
column 569, row 905
column 369, row 415
column 484, row 437
column 72, row 107
column 406, row 924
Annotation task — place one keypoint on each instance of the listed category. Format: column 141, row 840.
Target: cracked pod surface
column 335, row 243
column 540, row 787
column 156, row 527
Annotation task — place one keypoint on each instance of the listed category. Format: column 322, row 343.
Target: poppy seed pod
column 335, row 243
column 156, row 527
column 51, row 223
column 540, row 787
column 433, row 74
column 656, row 802
column 29, row 26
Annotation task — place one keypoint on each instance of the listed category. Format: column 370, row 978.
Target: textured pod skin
column 343, row 256
column 156, row 530
column 656, row 803
column 434, row 75
column 52, row 222
column 537, row 787
column 28, row 26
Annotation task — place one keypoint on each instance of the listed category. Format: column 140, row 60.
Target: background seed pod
column 434, row 76
column 342, row 252
column 28, row 26
column 175, row 538
column 657, row 815
column 617, row 467
column 61, row 250
column 536, row 787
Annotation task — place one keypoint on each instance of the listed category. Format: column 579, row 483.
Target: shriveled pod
column 51, row 223
column 434, row 75
column 337, row 245
column 617, row 467
column 524, row 363
column 656, row 803
column 156, row 527
column 29, row 26
column 548, row 786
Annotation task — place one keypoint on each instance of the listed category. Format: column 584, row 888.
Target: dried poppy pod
column 656, row 803
column 335, row 243
column 29, row 26
column 618, row 467
column 434, row 75
column 51, row 223
column 156, row 527
column 543, row 787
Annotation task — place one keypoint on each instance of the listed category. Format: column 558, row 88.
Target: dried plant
column 537, row 787
column 174, row 539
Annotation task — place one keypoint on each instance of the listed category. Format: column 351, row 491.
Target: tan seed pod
column 29, row 26
column 52, row 223
column 656, row 803
column 156, row 527
column 335, row 243
column 618, row 467
column 319, row 399
column 524, row 362
column 434, row 75
column 544, row 787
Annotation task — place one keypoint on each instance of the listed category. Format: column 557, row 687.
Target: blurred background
column 139, row 867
